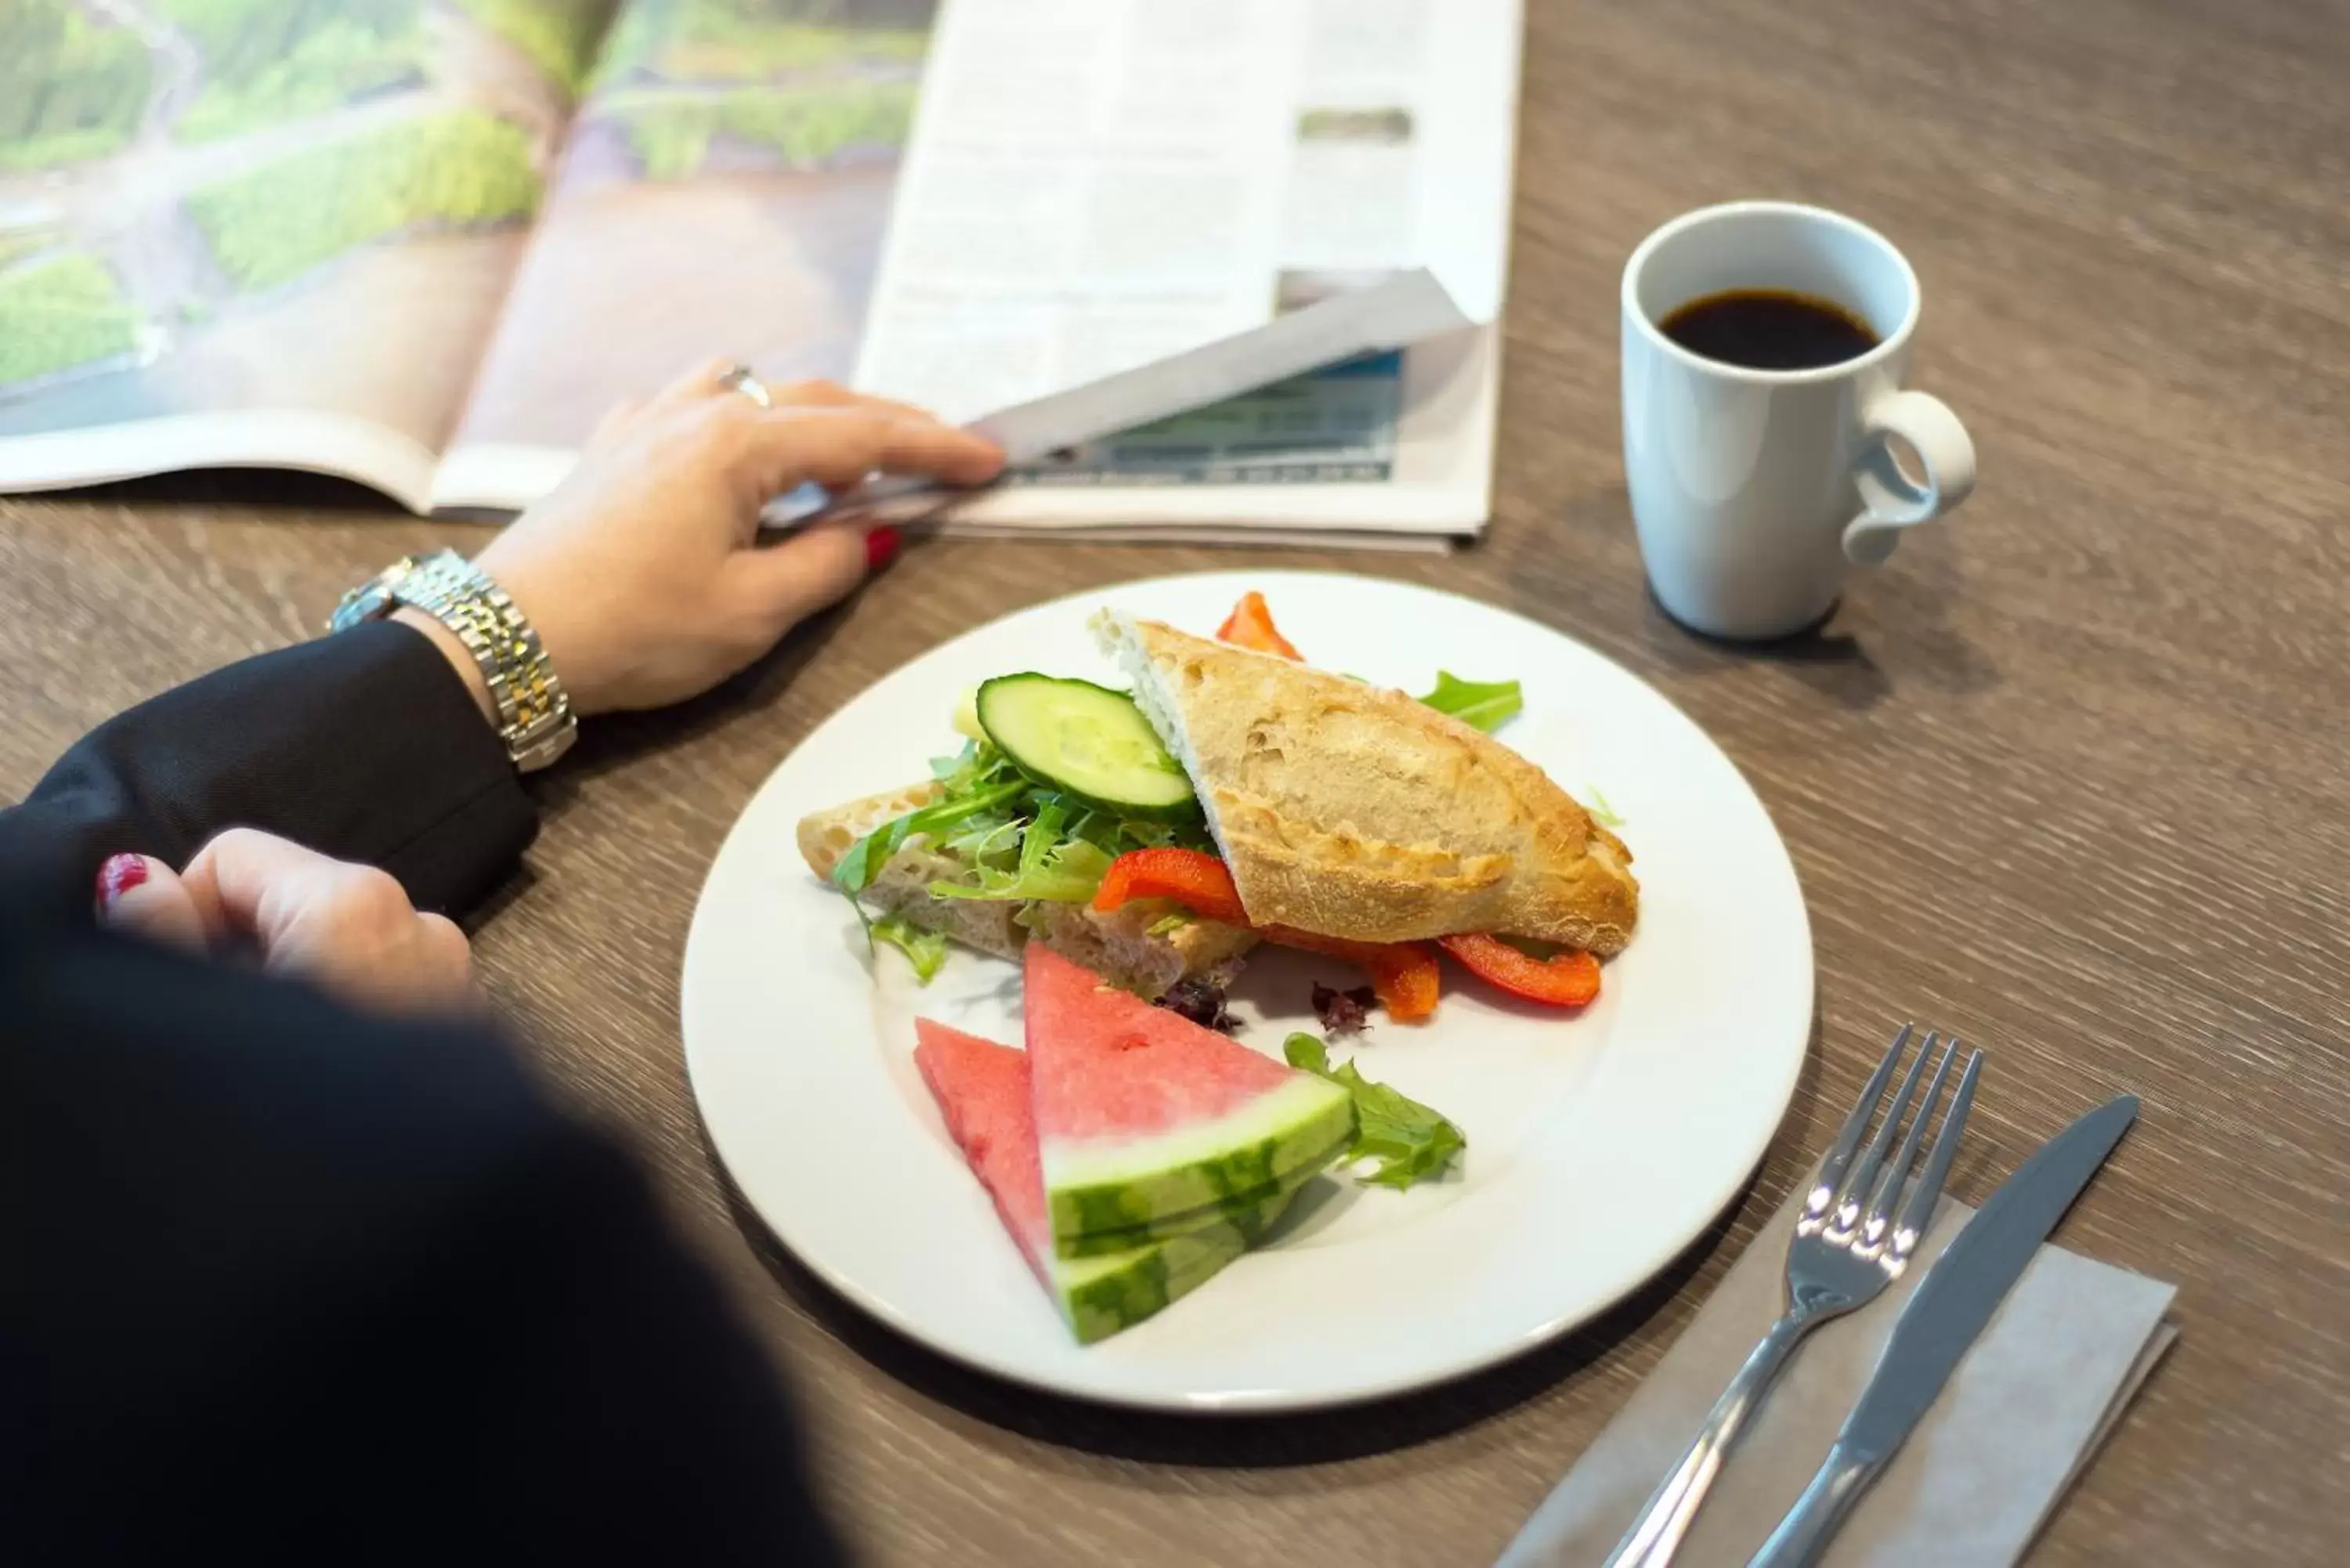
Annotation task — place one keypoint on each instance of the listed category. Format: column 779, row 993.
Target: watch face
column 543, row 753
column 372, row 599
column 368, row 601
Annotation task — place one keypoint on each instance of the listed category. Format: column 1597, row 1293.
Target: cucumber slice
column 1087, row 742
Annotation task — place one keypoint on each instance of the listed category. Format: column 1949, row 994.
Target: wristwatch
column 535, row 718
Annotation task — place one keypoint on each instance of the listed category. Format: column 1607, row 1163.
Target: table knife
column 1935, row 1331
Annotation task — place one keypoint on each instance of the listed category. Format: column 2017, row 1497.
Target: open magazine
column 426, row 244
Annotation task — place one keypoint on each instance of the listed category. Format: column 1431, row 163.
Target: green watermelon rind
column 1227, row 1210
column 1100, row 1296
column 1149, row 1185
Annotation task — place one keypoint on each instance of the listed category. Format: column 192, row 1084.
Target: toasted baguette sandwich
column 1350, row 812
column 1143, row 947
column 1327, row 808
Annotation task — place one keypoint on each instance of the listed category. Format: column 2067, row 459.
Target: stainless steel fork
column 1850, row 1244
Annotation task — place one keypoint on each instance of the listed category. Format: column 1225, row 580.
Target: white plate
column 1598, row 1145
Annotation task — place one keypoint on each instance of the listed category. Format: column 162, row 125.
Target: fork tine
column 1848, row 1137
column 1863, row 1174
column 1917, row 1209
column 1873, row 1217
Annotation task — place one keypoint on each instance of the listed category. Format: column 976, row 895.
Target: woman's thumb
column 141, row 895
column 785, row 584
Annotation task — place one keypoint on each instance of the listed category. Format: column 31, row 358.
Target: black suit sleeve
column 289, row 1285
column 364, row 745
column 282, row 1283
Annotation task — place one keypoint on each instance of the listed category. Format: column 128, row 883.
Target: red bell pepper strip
column 1251, row 626
column 1191, row 878
column 1404, row 975
column 1567, row 980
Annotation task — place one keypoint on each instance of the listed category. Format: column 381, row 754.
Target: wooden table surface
column 2068, row 775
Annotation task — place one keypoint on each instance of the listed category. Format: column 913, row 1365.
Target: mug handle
column 1890, row 500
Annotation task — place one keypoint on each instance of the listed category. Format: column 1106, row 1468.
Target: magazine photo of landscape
column 232, row 206
column 428, row 244
column 726, row 190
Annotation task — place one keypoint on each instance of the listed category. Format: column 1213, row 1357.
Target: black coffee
column 1769, row 329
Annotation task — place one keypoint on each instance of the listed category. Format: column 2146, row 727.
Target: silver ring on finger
column 737, row 377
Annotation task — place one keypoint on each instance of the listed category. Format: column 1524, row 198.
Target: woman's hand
column 642, row 572
column 347, row 928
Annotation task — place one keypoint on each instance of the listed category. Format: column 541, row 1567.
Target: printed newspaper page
column 975, row 204
column 1361, row 326
column 1091, row 186
column 1171, row 172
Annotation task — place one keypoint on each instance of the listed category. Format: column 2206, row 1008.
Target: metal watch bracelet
column 535, row 718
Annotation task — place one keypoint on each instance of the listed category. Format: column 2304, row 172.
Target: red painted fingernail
column 119, row 876
column 881, row 547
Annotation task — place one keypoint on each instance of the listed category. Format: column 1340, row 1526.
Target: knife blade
column 1958, row 1296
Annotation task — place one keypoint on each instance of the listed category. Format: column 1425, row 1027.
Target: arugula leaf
column 869, row 853
column 1602, row 812
column 978, row 765
column 1020, row 841
column 1052, row 867
column 1069, row 872
column 1484, row 704
column 1405, row 1141
column 1041, row 837
column 972, row 786
column 926, row 951
column 985, row 840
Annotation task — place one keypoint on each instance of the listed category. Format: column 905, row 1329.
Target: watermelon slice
column 984, row 1092
column 1148, row 1125
column 1274, row 1194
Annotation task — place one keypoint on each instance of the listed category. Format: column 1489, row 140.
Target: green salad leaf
column 926, row 951
column 1050, row 864
column 1017, row 841
column 1405, row 1141
column 869, row 853
column 1603, row 814
column 1484, row 704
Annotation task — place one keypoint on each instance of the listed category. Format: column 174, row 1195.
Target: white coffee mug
column 1752, row 490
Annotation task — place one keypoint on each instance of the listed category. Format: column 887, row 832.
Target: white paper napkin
column 2020, row 1418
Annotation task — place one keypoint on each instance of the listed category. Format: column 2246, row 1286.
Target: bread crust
column 1359, row 813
